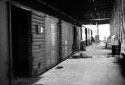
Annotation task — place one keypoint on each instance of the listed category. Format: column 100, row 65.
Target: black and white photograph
column 62, row 42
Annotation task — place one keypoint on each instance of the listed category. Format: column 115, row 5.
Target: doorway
column 20, row 25
column 74, row 48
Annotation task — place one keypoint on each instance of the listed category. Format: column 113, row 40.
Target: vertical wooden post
column 60, row 38
column 4, row 52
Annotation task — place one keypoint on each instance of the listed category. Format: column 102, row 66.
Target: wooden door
column 54, row 44
column 20, row 24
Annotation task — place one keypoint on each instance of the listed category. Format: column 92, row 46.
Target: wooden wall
column 117, row 19
column 51, row 41
column 45, row 38
column 64, row 39
column 38, row 43
column 46, row 35
column 67, row 39
column 118, row 23
column 70, row 39
column 45, row 45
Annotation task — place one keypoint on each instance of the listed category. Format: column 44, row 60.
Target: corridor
column 97, row 68
column 60, row 42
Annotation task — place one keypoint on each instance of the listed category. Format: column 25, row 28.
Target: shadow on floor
column 109, row 55
column 59, row 67
column 121, row 63
column 26, row 81
column 81, row 55
column 104, row 47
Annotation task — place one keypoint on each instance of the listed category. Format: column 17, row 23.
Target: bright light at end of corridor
column 104, row 31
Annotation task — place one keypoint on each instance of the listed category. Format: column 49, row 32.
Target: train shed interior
column 61, row 42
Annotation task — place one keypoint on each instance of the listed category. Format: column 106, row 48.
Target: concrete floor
column 101, row 69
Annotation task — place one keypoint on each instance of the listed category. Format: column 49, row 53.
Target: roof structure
column 86, row 11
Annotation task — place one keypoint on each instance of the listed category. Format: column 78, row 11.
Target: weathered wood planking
column 38, row 44
column 67, row 39
column 51, row 41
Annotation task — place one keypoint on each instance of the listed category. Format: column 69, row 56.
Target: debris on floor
column 59, row 67
column 81, row 55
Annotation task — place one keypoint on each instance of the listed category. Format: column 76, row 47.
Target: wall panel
column 38, row 43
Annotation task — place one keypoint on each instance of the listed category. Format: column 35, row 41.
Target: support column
column 97, row 35
column 4, row 48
